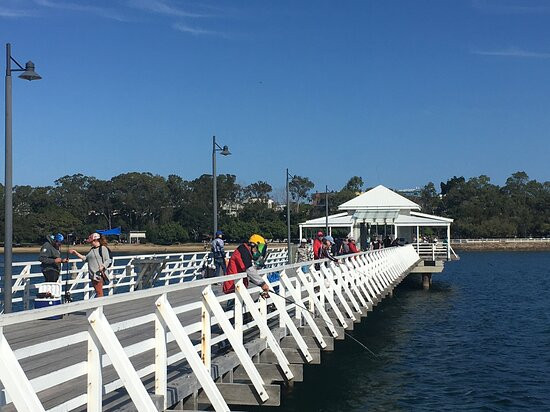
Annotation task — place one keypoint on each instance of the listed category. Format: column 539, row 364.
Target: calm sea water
column 478, row 340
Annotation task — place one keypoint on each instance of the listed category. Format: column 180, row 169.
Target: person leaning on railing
column 98, row 258
column 246, row 258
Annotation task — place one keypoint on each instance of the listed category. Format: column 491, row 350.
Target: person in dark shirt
column 50, row 257
column 218, row 254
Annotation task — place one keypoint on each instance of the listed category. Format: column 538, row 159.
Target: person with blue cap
column 50, row 257
column 218, row 254
column 324, row 252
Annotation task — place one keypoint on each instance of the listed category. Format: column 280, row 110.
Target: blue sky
column 397, row 92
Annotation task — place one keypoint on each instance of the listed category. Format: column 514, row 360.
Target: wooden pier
column 181, row 347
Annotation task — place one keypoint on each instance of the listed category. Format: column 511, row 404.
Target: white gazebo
column 378, row 208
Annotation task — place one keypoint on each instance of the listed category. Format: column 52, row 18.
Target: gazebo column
column 417, row 240
column 300, row 226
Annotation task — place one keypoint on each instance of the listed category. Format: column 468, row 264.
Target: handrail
column 367, row 273
column 122, row 274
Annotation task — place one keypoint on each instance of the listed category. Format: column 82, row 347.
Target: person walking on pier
column 99, row 259
column 218, row 254
column 50, row 257
column 245, row 259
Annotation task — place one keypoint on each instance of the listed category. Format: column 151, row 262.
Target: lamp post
column 289, row 254
column 326, row 210
column 225, row 152
column 28, row 74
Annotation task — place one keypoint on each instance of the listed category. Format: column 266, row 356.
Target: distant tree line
column 520, row 208
column 175, row 210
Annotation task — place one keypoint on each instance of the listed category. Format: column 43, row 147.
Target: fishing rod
column 68, row 297
column 266, row 294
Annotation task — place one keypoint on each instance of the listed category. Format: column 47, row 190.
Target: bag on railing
column 208, row 269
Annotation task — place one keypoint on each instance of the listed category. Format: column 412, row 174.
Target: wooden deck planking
column 44, row 330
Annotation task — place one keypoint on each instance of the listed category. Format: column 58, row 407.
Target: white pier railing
column 85, row 357
column 123, row 274
column 435, row 251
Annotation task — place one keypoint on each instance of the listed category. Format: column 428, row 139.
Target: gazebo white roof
column 337, row 220
column 378, row 206
column 422, row 219
column 379, row 197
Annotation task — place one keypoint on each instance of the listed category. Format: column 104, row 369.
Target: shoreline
column 502, row 246
column 138, row 249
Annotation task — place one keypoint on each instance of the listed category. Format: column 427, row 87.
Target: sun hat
column 92, row 237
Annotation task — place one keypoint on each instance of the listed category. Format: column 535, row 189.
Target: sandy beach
column 139, row 248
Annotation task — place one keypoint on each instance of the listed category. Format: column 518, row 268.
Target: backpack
column 109, row 255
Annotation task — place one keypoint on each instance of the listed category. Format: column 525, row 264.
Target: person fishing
column 247, row 258
column 99, row 259
column 50, row 257
column 325, row 251
column 218, row 254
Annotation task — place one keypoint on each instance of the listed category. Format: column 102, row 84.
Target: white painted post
column 282, row 292
column 238, row 347
column 309, row 319
column 318, row 277
column 121, row 363
column 27, row 294
column 111, row 277
column 330, row 278
column 203, row 375
column 264, row 329
column 129, row 276
column 161, row 357
column 263, row 316
column 238, row 317
column 206, row 336
column 15, row 381
column 281, row 307
column 95, row 365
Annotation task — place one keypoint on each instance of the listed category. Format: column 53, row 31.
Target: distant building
column 136, row 236
column 410, row 192
column 232, row 208
column 379, row 211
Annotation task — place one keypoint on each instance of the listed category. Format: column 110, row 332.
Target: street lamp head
column 225, row 151
column 29, row 73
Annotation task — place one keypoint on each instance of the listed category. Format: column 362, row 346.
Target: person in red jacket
column 317, row 243
column 352, row 246
column 245, row 259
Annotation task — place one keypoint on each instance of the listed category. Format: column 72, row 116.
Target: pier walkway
column 180, row 345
